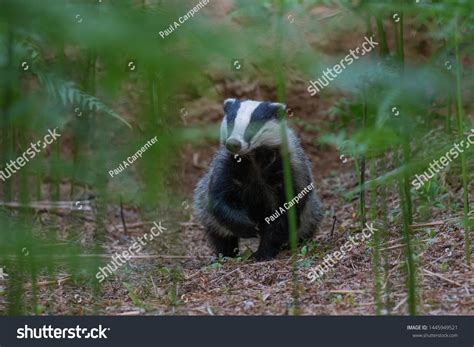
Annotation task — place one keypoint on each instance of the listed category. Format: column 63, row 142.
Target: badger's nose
column 233, row 145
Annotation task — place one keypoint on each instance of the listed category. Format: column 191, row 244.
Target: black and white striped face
column 249, row 124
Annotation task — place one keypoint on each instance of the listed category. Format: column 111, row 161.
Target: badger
column 244, row 184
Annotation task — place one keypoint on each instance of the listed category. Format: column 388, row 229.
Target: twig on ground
column 193, row 275
column 154, row 286
column 346, row 291
column 45, row 283
column 49, row 205
column 442, row 277
column 333, row 225
column 130, row 313
column 400, row 303
column 122, row 216
column 430, row 224
column 227, row 274
column 133, row 225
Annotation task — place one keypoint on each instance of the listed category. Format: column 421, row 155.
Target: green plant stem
column 384, row 51
column 289, row 192
column 362, row 202
column 386, row 238
column 460, row 123
column 404, row 189
column 7, row 131
column 410, row 263
column 402, row 47
column 376, row 254
column 406, row 137
column 448, row 120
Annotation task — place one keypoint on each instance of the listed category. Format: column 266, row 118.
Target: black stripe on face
column 261, row 115
column 230, row 110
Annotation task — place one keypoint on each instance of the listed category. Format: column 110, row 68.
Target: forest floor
column 177, row 273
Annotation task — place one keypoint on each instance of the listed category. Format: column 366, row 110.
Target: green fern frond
column 68, row 93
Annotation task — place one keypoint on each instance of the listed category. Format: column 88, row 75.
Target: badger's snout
column 233, row 145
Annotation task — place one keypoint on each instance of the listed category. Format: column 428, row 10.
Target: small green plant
column 132, row 295
column 343, row 300
column 431, row 195
column 245, row 255
column 304, row 263
column 303, row 251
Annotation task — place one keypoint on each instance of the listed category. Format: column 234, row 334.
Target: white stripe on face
column 242, row 120
column 224, row 130
column 268, row 135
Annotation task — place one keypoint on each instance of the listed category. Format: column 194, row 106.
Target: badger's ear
column 228, row 103
column 278, row 105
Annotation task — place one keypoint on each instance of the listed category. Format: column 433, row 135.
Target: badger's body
column 244, row 185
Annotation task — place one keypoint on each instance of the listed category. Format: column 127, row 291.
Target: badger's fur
column 245, row 182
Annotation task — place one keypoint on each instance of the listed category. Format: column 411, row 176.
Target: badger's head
column 249, row 124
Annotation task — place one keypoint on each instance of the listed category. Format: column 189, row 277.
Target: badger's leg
column 228, row 246
column 267, row 249
column 271, row 241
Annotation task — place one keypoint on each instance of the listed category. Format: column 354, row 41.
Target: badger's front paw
column 263, row 255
